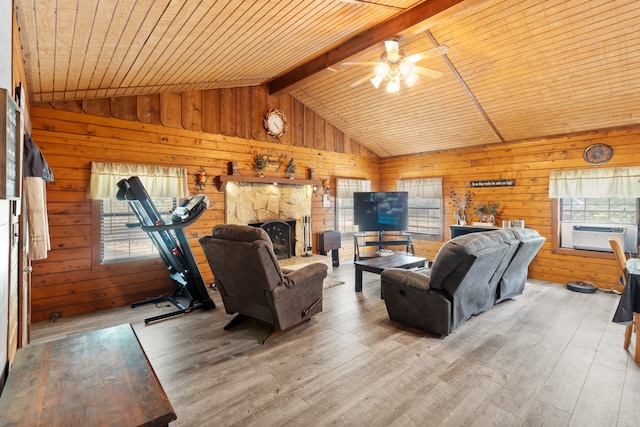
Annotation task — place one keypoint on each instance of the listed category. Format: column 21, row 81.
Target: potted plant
column 487, row 211
column 290, row 169
column 260, row 163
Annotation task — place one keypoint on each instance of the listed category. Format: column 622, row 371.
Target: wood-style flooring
column 550, row 357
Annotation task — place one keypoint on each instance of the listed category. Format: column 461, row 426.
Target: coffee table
column 379, row 264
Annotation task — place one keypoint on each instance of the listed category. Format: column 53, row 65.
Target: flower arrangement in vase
column 460, row 202
column 487, row 212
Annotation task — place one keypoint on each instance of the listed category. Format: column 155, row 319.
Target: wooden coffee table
column 92, row 379
column 379, row 264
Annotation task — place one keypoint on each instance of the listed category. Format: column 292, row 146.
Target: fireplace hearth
column 282, row 234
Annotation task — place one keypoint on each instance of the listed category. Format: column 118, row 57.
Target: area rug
column 330, row 283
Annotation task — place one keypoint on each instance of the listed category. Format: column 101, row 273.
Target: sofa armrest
column 408, row 278
column 308, row 272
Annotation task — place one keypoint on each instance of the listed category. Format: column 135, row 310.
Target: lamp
column 201, row 178
column 393, row 67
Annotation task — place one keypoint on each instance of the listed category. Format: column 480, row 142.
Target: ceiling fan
column 395, row 66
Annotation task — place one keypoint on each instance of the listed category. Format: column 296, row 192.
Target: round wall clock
column 598, row 154
column 275, row 122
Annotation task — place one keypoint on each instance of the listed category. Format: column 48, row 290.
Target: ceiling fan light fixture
column 393, row 50
column 406, row 68
column 381, row 70
column 376, row 81
column 411, row 80
column 393, row 86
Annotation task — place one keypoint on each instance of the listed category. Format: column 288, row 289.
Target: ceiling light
column 376, row 81
column 394, row 67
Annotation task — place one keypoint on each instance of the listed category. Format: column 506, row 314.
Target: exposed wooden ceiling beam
column 360, row 42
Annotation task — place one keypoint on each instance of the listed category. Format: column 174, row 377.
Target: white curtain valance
column 345, row 187
column 159, row 181
column 423, row 188
column 609, row 182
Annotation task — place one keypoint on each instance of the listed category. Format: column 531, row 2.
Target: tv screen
column 381, row 211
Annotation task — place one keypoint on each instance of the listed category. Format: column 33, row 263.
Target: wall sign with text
column 494, row 183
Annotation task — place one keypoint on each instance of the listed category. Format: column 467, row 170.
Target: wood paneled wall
column 148, row 130
column 529, row 163
column 210, row 128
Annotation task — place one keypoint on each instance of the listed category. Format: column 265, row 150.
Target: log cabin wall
column 196, row 129
column 529, row 163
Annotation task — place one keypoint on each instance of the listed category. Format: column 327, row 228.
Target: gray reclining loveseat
column 470, row 274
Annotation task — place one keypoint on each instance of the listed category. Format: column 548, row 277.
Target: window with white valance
column 596, row 182
column 425, row 205
column 595, row 204
column 118, row 242
column 159, row 181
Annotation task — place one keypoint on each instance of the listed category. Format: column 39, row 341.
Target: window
column 614, row 210
column 344, row 202
column 594, row 205
column 425, row 205
column 119, row 243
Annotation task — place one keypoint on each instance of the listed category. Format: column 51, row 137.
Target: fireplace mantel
column 221, row 180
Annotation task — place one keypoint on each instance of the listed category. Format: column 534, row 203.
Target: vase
column 461, row 217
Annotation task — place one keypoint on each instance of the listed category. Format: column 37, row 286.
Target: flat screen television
column 381, row 211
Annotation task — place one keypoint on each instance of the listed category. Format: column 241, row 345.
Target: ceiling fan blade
column 362, row 80
column 436, row 51
column 360, row 63
column 427, row 72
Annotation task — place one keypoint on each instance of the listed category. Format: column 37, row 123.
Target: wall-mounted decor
column 201, row 178
column 275, row 123
column 598, row 154
column 494, row 183
column 10, row 147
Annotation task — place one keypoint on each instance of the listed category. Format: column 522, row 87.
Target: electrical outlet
column 55, row 315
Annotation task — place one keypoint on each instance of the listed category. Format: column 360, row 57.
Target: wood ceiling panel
column 517, row 69
column 536, row 81
column 128, row 47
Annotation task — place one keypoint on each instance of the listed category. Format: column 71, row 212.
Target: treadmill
column 171, row 242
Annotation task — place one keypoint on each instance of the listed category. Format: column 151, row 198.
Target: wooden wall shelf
column 222, row 180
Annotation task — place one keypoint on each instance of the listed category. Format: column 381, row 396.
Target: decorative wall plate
column 598, row 154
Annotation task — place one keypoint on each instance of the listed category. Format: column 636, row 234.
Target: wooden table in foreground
column 100, row 378
column 379, row 264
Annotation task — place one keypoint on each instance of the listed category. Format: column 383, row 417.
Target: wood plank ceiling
column 516, row 69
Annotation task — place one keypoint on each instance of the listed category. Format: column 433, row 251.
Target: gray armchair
column 252, row 284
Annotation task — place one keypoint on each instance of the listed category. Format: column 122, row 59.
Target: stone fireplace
column 257, row 203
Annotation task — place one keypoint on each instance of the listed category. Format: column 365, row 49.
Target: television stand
column 380, row 240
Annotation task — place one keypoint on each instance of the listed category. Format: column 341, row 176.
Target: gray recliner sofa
column 469, row 275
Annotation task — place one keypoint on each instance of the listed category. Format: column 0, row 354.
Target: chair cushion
column 239, row 233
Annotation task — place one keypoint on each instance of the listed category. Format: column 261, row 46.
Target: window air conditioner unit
column 596, row 238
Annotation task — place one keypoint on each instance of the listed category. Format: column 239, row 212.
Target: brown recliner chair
column 252, row 283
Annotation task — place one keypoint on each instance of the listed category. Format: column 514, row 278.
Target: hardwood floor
column 550, row 357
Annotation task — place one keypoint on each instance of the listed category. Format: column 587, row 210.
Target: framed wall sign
column 494, row 183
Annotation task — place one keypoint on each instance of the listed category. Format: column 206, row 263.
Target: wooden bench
column 100, row 378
